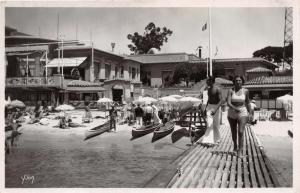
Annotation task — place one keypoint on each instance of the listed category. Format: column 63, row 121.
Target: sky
column 235, row 32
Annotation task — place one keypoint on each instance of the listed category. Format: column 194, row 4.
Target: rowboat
column 144, row 130
column 98, row 130
column 163, row 131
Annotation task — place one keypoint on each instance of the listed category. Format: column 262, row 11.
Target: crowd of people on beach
column 145, row 114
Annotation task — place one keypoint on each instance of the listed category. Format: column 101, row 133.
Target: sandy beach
column 61, row 158
column 278, row 146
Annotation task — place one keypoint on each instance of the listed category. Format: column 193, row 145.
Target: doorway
column 117, row 95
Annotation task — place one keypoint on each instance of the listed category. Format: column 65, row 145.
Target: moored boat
column 98, row 130
column 163, row 131
column 144, row 130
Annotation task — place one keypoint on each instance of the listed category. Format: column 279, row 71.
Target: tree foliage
column 153, row 37
column 275, row 54
column 188, row 72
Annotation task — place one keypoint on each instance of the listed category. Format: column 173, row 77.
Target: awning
column 84, row 86
column 19, row 53
column 66, row 62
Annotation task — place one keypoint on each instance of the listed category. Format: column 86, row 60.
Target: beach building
column 57, row 72
column 158, row 69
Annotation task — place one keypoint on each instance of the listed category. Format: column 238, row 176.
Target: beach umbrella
column 16, row 104
column 145, row 100
column 176, row 96
column 104, row 100
column 64, row 107
column 285, row 99
column 168, row 99
column 6, row 102
column 189, row 99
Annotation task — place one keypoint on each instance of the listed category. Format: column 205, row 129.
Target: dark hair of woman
column 238, row 76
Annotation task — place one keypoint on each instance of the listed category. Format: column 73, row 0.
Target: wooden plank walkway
column 218, row 167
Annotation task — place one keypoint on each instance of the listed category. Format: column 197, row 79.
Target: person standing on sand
column 113, row 116
column 239, row 108
column 212, row 134
column 139, row 115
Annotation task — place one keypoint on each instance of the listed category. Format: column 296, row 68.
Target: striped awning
column 84, row 86
column 66, row 62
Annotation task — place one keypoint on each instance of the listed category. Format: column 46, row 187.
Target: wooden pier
column 218, row 167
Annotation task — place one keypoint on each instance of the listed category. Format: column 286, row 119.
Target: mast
column 210, row 47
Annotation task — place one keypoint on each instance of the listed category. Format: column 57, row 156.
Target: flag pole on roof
column 210, row 51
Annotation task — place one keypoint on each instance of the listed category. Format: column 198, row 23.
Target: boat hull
column 144, row 130
column 163, row 131
column 98, row 130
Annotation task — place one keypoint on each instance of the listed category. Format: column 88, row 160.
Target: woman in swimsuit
column 239, row 106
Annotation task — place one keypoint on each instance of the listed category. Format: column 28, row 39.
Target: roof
column 9, row 31
column 66, row 62
column 26, row 48
column 255, row 59
column 84, row 47
column 159, row 58
column 263, row 80
column 258, row 69
column 84, row 86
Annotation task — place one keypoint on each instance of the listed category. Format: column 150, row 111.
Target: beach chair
column 263, row 115
column 87, row 117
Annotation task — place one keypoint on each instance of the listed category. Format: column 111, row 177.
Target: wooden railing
column 51, row 81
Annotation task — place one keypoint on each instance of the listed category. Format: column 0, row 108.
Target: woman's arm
column 247, row 101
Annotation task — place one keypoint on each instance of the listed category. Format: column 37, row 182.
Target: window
column 146, row 78
column 116, row 72
column 133, row 73
column 107, row 71
column 122, row 72
column 129, row 72
column 74, row 96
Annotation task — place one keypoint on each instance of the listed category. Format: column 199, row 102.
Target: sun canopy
column 66, row 62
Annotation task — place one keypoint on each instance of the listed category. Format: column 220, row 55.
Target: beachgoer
column 149, row 113
column 63, row 122
column 156, row 118
column 14, row 133
column 251, row 114
column 113, row 116
column 38, row 110
column 139, row 115
column 87, row 117
column 212, row 109
column 239, row 106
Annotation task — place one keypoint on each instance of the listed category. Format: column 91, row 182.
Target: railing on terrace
column 268, row 104
column 51, row 81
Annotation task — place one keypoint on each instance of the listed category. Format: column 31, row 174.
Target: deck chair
column 87, row 117
column 263, row 115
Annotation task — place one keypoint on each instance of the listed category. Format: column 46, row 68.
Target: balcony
column 50, row 81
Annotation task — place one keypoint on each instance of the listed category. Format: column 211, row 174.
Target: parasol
column 64, row 107
column 16, row 104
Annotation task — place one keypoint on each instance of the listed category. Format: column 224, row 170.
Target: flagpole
column 207, row 66
column 210, row 51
